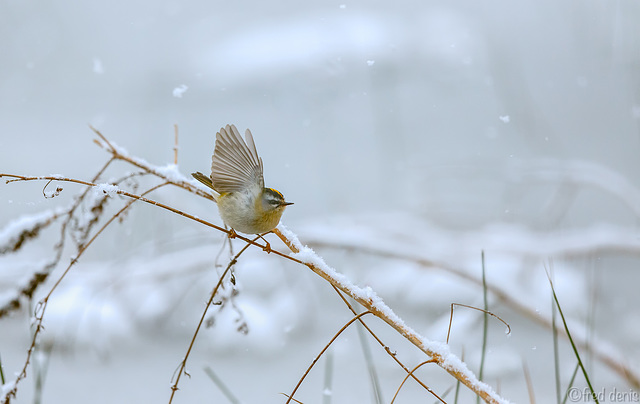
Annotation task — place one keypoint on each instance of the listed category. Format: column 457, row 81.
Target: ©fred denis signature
column 613, row 395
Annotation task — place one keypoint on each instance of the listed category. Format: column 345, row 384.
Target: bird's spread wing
column 235, row 165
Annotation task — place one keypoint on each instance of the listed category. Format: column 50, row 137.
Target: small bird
column 244, row 203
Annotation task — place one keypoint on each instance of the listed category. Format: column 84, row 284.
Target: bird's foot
column 232, row 234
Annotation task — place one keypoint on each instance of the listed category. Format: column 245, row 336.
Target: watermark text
column 613, row 395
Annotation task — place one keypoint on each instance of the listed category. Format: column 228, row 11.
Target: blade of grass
column 556, row 350
column 43, row 357
column 573, row 345
column 373, row 375
column 573, row 377
column 2, row 372
column 444, row 395
column 594, row 284
column 327, row 392
column 457, row 393
column 527, row 378
column 485, row 323
column 220, row 384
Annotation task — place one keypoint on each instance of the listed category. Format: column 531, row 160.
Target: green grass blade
column 556, row 350
column 573, row 345
column 2, row 373
column 485, row 323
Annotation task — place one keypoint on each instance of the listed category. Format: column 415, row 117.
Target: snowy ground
column 411, row 138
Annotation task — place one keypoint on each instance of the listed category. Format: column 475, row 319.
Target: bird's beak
column 286, row 203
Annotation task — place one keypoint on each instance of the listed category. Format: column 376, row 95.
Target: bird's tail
column 205, row 180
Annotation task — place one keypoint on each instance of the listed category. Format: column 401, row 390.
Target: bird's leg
column 267, row 247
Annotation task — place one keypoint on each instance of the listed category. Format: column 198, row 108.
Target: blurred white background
column 511, row 127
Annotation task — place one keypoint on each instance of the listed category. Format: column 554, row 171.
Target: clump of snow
column 505, row 118
column 98, row 68
column 180, row 90
column 291, row 236
column 169, row 171
column 172, row 173
column 56, row 176
column 108, row 189
column 6, row 388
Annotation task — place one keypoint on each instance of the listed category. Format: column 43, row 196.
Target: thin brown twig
column 473, row 308
column 291, row 398
column 410, row 374
column 54, row 194
column 344, row 327
column 214, row 292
